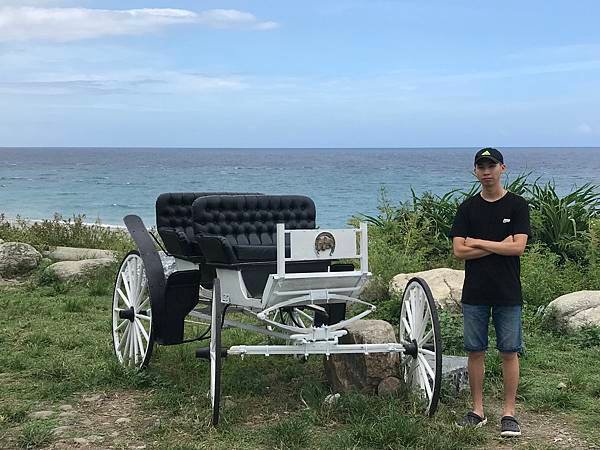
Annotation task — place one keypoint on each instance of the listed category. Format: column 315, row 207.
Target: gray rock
column 361, row 372
column 41, row 414
column 445, row 284
column 123, row 420
column 17, row 258
column 388, row 386
column 78, row 254
column 71, row 270
column 65, row 407
column 454, row 370
column 572, row 311
column 81, row 441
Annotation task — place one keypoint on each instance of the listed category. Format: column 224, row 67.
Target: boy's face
column 489, row 172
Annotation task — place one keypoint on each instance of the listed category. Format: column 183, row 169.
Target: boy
column 490, row 232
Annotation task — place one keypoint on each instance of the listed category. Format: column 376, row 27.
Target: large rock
column 17, row 258
column 445, row 284
column 346, row 372
column 78, row 254
column 572, row 311
column 70, row 270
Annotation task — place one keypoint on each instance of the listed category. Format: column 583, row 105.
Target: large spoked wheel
column 132, row 314
column 421, row 337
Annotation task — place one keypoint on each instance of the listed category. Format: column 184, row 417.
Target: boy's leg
column 476, row 319
column 510, row 374
column 509, row 342
column 476, row 368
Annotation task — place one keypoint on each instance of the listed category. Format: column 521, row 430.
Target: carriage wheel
column 132, row 313
column 421, row 337
column 215, row 353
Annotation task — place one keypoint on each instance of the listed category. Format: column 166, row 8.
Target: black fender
column 153, row 266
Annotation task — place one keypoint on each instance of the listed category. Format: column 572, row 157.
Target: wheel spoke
column 121, row 325
column 425, row 386
column 407, row 327
column 144, row 304
column 428, row 368
column 427, row 352
column 124, row 336
column 138, row 335
column 124, row 278
column 142, row 329
column 123, row 297
column 131, row 347
column 426, row 338
column 409, row 317
column 143, row 316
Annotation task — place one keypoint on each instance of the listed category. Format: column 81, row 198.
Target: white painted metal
column 132, row 338
column 302, row 245
column 280, row 249
column 314, row 348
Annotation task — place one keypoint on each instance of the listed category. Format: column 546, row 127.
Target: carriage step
column 204, row 353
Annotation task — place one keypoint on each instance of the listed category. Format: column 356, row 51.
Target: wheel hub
column 128, row 314
column 411, row 348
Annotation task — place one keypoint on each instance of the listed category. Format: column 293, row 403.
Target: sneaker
column 472, row 420
column 509, row 427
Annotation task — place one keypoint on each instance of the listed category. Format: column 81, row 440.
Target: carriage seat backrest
column 252, row 219
column 174, row 221
column 247, row 224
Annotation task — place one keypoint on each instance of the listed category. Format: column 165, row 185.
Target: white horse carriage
column 260, row 256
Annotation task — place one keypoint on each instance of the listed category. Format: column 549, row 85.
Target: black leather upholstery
column 234, row 229
column 175, row 225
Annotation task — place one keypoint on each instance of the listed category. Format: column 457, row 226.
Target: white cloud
column 121, row 82
column 70, row 24
column 585, row 128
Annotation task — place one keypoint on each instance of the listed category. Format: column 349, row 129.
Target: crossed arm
column 470, row 248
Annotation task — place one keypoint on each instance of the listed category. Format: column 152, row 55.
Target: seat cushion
column 252, row 253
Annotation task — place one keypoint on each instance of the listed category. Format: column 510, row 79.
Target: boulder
column 70, row 270
column 572, row 311
column 17, row 258
column 445, row 284
column 78, row 254
column 360, row 372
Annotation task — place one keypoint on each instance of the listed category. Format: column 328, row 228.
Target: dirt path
column 94, row 421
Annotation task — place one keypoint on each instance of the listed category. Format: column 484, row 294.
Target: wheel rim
column 420, row 335
column 132, row 314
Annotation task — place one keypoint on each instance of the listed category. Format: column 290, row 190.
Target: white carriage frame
column 293, row 290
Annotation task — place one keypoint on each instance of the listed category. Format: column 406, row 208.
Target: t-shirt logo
column 505, row 220
column 486, row 153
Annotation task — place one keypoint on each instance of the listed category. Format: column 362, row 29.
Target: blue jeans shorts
column 507, row 323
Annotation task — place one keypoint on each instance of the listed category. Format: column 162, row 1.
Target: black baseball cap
column 489, row 153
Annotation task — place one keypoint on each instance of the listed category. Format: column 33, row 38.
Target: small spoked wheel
column 421, row 337
column 132, row 314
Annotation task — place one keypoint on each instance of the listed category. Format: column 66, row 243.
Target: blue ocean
column 106, row 184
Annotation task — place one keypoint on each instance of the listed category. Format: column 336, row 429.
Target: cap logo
column 486, row 153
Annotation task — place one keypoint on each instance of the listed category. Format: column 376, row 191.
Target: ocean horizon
column 105, row 184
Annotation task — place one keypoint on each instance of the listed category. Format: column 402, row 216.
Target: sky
column 273, row 73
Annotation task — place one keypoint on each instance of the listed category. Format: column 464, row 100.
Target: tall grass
column 563, row 253
column 58, row 231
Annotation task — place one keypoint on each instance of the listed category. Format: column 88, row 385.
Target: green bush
column 73, row 232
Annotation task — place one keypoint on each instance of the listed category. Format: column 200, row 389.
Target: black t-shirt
column 493, row 279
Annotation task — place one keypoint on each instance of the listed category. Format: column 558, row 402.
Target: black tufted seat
column 175, row 225
column 232, row 229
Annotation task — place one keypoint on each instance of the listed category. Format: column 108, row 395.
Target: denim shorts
column 507, row 322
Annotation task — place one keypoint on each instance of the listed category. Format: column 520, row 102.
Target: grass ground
column 61, row 387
